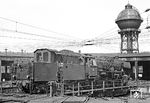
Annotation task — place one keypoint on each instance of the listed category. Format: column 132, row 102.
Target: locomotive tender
column 68, row 67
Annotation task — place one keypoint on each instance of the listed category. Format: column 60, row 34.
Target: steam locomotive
column 68, row 67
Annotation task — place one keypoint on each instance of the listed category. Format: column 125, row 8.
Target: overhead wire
column 102, row 38
column 112, row 37
column 113, row 48
column 111, row 31
column 113, row 34
column 47, row 42
column 106, row 34
column 36, row 27
column 109, row 35
column 33, row 34
column 47, row 38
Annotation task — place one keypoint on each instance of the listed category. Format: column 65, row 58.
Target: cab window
column 45, row 56
column 39, row 57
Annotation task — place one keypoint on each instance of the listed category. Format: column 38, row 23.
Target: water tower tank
column 129, row 18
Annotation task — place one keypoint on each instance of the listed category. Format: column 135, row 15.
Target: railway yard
column 90, row 80
column 23, row 98
column 63, row 76
column 104, row 80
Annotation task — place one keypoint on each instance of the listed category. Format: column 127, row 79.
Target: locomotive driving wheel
column 40, row 88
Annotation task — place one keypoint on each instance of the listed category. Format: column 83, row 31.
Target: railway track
column 19, row 98
column 75, row 99
column 10, row 90
column 12, row 101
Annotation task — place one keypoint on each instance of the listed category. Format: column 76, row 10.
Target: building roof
column 62, row 52
column 143, row 54
column 16, row 54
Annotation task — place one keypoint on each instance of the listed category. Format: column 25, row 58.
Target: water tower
column 129, row 21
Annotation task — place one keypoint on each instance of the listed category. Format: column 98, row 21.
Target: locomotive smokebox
column 129, row 18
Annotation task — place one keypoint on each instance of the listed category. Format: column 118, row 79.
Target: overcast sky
column 72, row 20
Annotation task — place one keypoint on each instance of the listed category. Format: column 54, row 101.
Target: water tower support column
column 129, row 41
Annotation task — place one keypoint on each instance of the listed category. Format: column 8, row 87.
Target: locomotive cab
column 45, row 66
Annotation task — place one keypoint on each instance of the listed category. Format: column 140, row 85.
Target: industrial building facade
column 7, row 60
column 140, row 65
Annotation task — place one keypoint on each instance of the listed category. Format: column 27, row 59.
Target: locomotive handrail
column 100, row 86
column 97, row 89
column 107, row 84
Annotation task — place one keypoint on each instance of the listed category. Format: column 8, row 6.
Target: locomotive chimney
column 6, row 51
column 22, row 52
column 79, row 51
